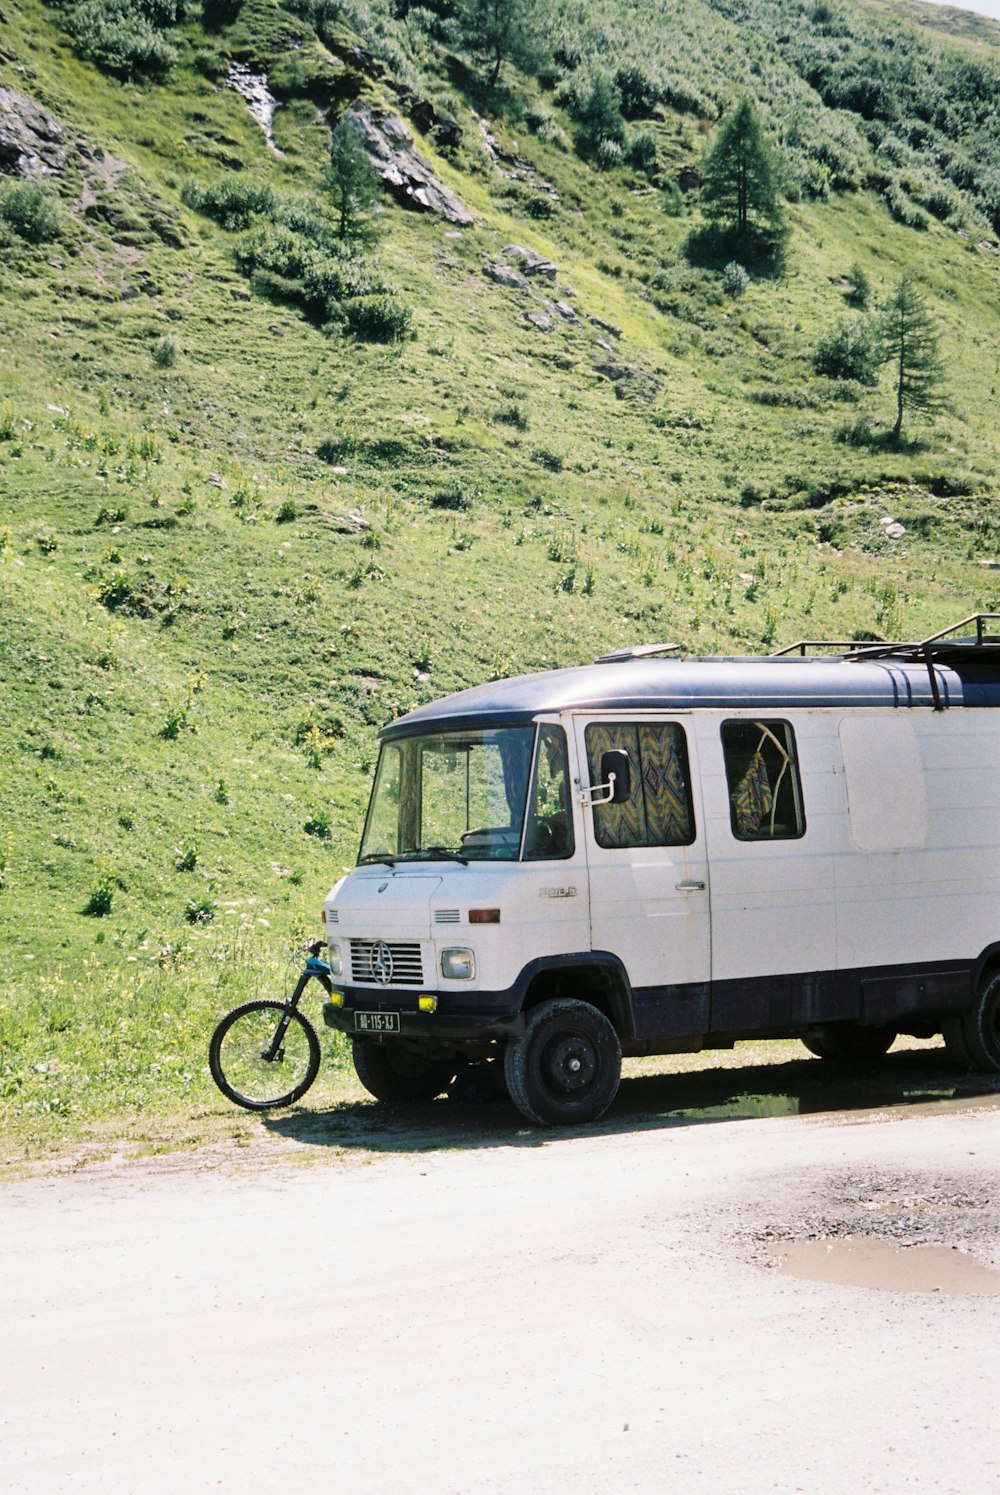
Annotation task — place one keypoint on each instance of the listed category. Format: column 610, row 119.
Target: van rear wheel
column 566, row 1066
column 974, row 1039
column 849, row 1043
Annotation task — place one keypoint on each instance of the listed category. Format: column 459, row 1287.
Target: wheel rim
column 244, row 1060
column 569, row 1064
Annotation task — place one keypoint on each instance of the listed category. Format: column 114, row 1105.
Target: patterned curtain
column 658, row 811
column 664, row 782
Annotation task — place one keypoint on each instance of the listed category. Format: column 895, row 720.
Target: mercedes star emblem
column 380, row 962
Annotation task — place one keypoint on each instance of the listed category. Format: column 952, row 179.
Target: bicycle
column 266, row 1053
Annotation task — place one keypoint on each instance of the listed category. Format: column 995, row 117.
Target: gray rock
column 566, row 311
column 404, row 172
column 253, row 90
column 505, row 276
column 606, row 326
column 32, row 141
column 631, row 382
column 541, row 321
column 530, row 262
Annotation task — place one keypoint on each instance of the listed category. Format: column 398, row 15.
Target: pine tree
column 911, row 345
column 352, row 179
column 502, row 31
column 740, row 188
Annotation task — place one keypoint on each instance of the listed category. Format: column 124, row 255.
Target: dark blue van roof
column 755, row 683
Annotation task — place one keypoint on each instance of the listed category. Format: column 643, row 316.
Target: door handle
column 690, row 887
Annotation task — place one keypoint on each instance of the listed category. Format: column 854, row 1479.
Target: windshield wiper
column 375, row 857
column 429, row 852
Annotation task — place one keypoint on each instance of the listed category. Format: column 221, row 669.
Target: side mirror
column 616, row 773
column 615, row 786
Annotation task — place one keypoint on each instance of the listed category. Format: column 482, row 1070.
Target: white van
column 654, row 855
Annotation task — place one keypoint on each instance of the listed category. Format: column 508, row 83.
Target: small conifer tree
column 502, row 31
column 740, row 191
column 352, row 179
column 912, row 347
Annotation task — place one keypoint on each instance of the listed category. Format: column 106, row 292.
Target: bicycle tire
column 236, row 1055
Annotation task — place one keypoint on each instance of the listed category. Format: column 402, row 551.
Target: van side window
column 549, row 832
column 658, row 811
column 762, row 772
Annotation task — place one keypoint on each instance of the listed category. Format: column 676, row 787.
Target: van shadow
column 799, row 1087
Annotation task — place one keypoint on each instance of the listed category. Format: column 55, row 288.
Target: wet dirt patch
column 885, row 1266
column 885, row 1229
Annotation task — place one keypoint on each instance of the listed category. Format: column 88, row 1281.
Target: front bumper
column 487, row 1015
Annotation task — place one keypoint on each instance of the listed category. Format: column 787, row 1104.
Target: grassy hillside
column 236, row 538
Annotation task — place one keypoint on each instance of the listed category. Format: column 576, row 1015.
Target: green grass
column 199, row 642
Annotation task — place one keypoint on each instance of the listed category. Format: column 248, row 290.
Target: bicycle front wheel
column 264, row 1054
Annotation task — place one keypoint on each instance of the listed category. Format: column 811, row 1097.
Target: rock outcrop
column 409, row 178
column 32, row 141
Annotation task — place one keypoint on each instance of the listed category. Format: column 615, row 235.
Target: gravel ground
column 480, row 1307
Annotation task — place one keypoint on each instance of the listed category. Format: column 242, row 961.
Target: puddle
column 885, row 1266
column 828, row 1098
column 740, row 1108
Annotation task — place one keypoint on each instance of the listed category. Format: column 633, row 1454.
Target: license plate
column 376, row 1022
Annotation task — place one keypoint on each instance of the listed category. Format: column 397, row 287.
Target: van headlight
column 335, row 959
column 458, row 965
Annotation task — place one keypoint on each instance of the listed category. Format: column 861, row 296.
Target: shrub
column 735, row 280
column 335, row 449
column 319, row 825
column 98, row 904
column 453, row 496
column 639, row 95
column 514, row 415
column 378, row 319
column 111, row 514
column 642, row 150
column 673, row 200
column 550, row 460
column 200, row 910
column 595, row 105
column 858, row 287
column 233, row 202
column 123, row 37
column 607, row 155
column 287, row 512
column 31, row 210
column 851, row 350
column 164, row 352
column 858, row 432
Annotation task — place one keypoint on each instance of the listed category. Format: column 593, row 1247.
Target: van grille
column 447, row 916
column 381, row 963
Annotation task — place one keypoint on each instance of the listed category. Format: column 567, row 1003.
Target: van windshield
column 450, row 795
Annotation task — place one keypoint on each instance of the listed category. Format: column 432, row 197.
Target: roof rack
column 939, row 646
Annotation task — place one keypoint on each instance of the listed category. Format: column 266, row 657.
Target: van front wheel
column 566, row 1066
column 974, row 1040
column 398, row 1073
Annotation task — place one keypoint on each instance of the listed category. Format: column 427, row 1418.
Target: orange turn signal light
column 484, row 916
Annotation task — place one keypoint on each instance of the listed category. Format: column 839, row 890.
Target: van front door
column 647, row 869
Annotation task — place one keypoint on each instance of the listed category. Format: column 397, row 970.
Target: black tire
column 849, row 1043
column 400, row 1073
column 237, row 1055
column 974, row 1039
column 566, row 1066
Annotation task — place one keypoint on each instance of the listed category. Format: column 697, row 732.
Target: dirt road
column 505, row 1311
